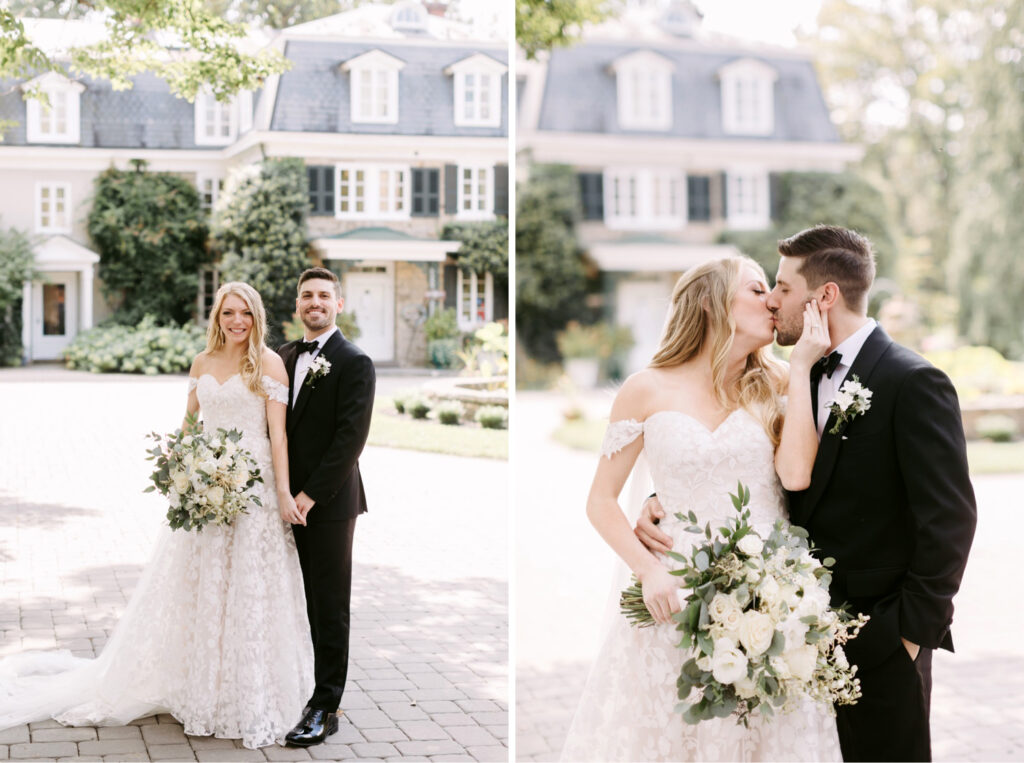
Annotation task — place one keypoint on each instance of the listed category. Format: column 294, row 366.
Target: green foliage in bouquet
column 756, row 622
column 151, row 237
column 206, row 478
column 144, row 349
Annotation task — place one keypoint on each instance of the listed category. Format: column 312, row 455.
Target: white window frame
column 216, row 187
column 62, row 225
column 376, row 177
column 409, row 17
column 748, row 200
column 644, row 198
column 483, row 69
column 475, row 286
column 225, row 114
column 383, row 69
column 41, row 122
column 643, row 85
column 202, row 314
column 748, row 97
column 475, row 198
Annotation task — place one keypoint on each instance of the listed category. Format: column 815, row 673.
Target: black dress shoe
column 314, row 728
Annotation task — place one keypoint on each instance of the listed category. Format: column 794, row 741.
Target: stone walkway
column 563, row 582
column 428, row 675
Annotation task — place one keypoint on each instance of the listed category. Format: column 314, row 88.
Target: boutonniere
column 852, row 400
column 318, row 369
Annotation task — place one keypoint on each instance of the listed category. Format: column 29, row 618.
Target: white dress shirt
column 828, row 387
column 304, row 360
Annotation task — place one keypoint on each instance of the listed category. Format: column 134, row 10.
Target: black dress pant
column 890, row 721
column 325, row 554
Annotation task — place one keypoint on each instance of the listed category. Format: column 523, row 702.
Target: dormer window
column 748, row 97
column 477, row 91
column 409, row 17
column 59, row 121
column 218, row 123
column 644, row 91
column 374, row 87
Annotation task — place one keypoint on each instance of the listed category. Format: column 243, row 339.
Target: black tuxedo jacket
column 891, row 500
column 327, row 429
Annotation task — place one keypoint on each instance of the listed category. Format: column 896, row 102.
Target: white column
column 26, row 322
column 85, row 295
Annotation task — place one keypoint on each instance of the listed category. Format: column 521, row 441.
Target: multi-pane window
column 321, row 190
column 475, row 192
column 478, row 99
column 216, row 121
column 57, row 121
column 644, row 198
column 53, row 207
column 644, row 91
column 747, row 199
column 372, row 191
column 475, row 301
column 748, row 98
column 209, row 282
column 426, row 192
column 373, row 83
column 209, row 190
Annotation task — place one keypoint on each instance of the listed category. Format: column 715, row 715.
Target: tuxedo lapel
column 828, row 449
column 289, row 356
column 326, row 351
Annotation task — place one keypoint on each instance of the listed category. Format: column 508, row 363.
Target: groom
column 890, row 497
column 331, row 383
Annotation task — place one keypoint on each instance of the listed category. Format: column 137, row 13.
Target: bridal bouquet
column 206, row 477
column 756, row 622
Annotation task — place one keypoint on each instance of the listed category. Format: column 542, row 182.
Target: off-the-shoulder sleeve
column 275, row 390
column 193, row 382
column 619, row 434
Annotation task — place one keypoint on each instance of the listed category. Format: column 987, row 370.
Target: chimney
column 436, row 8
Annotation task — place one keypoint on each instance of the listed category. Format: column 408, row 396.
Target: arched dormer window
column 409, row 17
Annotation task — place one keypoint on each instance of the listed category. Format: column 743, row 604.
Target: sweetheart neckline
column 697, row 421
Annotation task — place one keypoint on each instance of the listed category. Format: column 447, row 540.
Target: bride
column 708, row 412
column 215, row 633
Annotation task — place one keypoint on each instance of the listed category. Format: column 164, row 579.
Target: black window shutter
column 451, row 285
column 321, row 190
column 775, row 194
column 451, row 189
column 698, row 198
column 592, row 195
column 424, row 192
column 725, row 195
column 501, row 190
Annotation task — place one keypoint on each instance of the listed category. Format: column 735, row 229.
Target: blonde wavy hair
column 252, row 363
column 700, row 315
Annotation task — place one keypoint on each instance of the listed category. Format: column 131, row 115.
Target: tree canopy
column 544, row 24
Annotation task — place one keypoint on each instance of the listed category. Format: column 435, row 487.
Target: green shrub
column 997, row 428
column 401, row 400
column 16, row 267
column 450, row 412
column 294, row 330
column 493, row 417
column 143, row 349
column 418, row 407
column 442, row 325
column 443, row 353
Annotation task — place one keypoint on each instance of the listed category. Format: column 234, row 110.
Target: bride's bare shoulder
column 634, row 398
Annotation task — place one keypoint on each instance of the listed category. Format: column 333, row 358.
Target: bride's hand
column 813, row 342
column 289, row 511
column 661, row 594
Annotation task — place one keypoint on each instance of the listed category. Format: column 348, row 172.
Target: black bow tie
column 310, row 347
column 827, row 366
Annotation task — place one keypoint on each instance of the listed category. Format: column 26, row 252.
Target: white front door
column 371, row 296
column 642, row 305
column 54, row 314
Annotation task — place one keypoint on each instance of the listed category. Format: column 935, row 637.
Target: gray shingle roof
column 314, row 95
column 580, row 93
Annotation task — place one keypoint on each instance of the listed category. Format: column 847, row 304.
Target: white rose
column 209, row 466
column 728, row 663
column 840, row 658
column 780, row 667
column 215, row 495
column 769, row 590
column 756, row 632
column 704, row 662
column 801, row 661
column 745, row 687
column 750, row 545
column 180, row 480
column 189, row 459
column 793, row 631
column 720, row 606
column 790, row 594
column 732, row 618
column 240, row 477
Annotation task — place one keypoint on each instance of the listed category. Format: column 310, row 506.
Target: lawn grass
column 984, row 457
column 390, row 429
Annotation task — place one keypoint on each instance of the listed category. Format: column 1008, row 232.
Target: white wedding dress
column 215, row 632
column 627, row 709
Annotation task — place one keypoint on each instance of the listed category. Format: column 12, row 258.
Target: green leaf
column 701, row 560
column 704, row 643
column 828, row 562
column 778, row 645
column 705, row 618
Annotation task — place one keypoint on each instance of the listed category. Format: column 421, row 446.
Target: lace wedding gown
column 627, row 709
column 215, row 632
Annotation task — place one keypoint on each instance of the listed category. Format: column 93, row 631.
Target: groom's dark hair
column 324, row 273
column 830, row 253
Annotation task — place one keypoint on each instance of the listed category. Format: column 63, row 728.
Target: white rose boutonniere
column 318, row 369
column 852, row 400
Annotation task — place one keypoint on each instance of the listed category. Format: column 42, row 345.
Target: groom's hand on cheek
column 646, row 529
column 304, row 503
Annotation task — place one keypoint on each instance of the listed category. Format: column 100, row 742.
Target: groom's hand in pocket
column 646, row 529
column 911, row 647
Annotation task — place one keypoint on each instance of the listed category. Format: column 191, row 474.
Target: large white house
column 675, row 135
column 400, row 115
